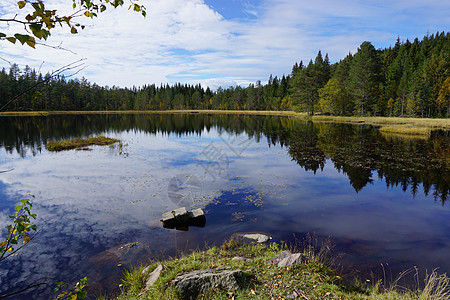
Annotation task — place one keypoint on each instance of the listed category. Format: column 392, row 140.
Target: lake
column 379, row 199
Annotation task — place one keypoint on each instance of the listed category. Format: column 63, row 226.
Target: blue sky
column 222, row 42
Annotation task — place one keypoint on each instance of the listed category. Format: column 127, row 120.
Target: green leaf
column 31, row 42
column 22, row 4
column 73, row 30
column 20, row 228
column 37, row 30
column 2, row 35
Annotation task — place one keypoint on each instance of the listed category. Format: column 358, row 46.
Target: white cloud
column 187, row 41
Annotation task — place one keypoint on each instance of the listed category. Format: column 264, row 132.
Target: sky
column 219, row 42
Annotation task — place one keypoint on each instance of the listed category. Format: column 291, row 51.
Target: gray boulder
column 153, row 276
column 258, row 237
column 286, row 259
column 245, row 238
column 197, row 282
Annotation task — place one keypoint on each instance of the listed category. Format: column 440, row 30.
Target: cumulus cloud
column 190, row 41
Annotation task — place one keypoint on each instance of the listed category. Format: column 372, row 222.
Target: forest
column 409, row 79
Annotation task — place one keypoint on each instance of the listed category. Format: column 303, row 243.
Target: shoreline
column 396, row 125
column 263, row 276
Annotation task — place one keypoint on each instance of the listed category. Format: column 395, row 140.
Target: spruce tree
column 364, row 78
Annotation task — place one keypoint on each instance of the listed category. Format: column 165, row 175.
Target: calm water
column 380, row 199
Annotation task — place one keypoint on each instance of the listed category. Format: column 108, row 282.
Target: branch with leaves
column 20, row 230
column 39, row 22
column 77, row 292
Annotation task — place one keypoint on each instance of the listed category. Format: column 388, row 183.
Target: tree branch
column 23, row 290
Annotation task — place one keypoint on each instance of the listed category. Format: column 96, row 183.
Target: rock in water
column 181, row 218
column 201, row 281
column 245, row 238
column 260, row 238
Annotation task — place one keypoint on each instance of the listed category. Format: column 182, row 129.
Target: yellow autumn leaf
column 73, row 297
column 9, row 249
column 3, row 244
column 26, row 239
column 22, row 4
column 86, row 13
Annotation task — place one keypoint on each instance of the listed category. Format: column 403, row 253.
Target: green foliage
column 19, row 231
column 443, row 100
column 77, row 292
column 364, row 77
column 335, row 99
column 306, row 82
column 41, row 20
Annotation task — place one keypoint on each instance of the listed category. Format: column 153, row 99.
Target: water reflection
column 247, row 178
column 357, row 151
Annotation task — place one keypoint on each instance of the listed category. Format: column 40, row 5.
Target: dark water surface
column 380, row 199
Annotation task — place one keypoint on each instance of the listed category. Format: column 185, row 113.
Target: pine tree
column 364, row 78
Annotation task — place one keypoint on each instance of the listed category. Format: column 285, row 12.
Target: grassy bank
column 403, row 126
column 314, row 279
column 80, row 143
column 118, row 112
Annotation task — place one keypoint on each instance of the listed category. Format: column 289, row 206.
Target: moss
column 80, row 144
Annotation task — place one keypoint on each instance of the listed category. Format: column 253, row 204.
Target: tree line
column 408, row 79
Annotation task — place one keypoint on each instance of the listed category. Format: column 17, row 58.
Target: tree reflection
column 356, row 151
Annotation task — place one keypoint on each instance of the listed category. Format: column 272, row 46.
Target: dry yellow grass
column 391, row 123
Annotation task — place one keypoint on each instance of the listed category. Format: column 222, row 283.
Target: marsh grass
column 394, row 124
column 406, row 130
column 80, row 144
